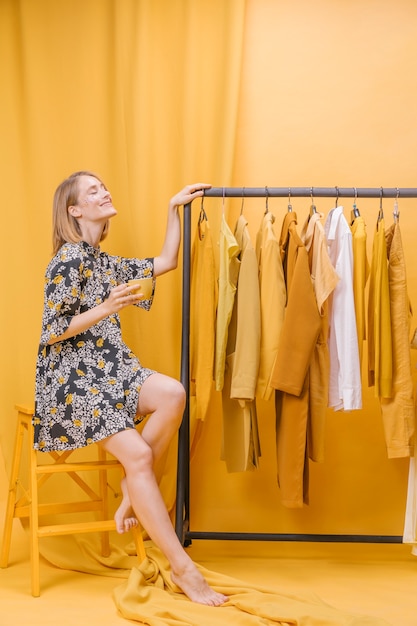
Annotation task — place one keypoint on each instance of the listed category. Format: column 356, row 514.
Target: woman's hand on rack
column 167, row 260
column 188, row 194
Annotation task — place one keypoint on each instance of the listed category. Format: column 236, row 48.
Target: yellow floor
column 379, row 580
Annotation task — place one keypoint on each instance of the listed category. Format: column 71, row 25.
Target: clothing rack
column 182, row 524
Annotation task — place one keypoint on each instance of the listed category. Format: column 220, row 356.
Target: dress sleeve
column 62, row 296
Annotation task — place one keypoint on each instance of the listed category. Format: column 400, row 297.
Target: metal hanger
column 355, row 210
column 396, row 212
column 381, row 212
column 289, row 200
column 313, row 206
column 266, row 199
column 201, row 218
column 203, row 214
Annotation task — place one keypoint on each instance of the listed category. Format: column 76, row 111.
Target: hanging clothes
column 240, row 442
column 360, row 278
column 324, row 279
column 229, row 265
column 345, row 387
column 203, row 305
column 273, row 297
column 398, row 410
column 379, row 318
column 290, row 375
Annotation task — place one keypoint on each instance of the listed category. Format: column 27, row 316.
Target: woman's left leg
column 137, row 459
column 163, row 399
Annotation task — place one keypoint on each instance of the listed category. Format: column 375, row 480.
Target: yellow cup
column 142, row 286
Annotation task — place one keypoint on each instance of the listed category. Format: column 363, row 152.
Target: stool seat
column 28, row 506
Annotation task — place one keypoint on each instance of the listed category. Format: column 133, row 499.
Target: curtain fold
column 146, row 94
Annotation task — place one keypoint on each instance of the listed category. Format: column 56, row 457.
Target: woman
column 89, row 386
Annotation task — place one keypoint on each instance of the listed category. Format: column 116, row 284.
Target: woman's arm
column 119, row 298
column 168, row 258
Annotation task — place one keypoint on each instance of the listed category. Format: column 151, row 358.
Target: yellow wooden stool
column 28, row 506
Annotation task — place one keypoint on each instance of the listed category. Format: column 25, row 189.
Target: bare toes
column 129, row 523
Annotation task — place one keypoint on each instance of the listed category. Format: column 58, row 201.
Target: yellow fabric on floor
column 149, row 597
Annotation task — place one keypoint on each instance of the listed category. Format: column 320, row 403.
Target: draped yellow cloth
column 149, row 597
column 129, row 90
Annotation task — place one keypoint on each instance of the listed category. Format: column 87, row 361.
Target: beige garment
column 398, row 410
column 240, row 444
column 273, row 296
column 241, row 447
column 324, row 279
column 245, row 327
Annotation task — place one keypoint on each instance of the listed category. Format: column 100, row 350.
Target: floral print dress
column 87, row 387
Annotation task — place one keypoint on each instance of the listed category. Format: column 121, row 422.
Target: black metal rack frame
column 182, row 524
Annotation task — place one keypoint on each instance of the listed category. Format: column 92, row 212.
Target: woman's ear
column 74, row 211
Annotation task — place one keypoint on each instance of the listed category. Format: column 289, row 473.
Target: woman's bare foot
column 195, row 586
column 124, row 517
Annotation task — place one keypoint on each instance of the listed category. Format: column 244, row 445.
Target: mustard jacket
column 299, row 334
column 302, row 318
column 240, row 445
column 273, row 299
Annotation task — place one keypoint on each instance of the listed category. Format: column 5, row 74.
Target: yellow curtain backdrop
column 145, row 93
column 155, row 94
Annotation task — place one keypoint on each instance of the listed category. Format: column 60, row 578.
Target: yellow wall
column 155, row 94
column 327, row 98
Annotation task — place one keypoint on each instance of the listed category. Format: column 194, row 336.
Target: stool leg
column 105, row 539
column 140, row 547
column 12, row 496
column 33, row 515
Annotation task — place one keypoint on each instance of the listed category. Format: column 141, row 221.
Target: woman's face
column 94, row 200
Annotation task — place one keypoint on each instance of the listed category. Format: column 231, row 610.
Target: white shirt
column 345, row 386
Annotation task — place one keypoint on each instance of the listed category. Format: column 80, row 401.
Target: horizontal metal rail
column 307, row 537
column 316, row 192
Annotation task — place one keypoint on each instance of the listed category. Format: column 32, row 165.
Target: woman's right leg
column 145, row 497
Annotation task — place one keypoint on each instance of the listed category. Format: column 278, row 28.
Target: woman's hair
column 65, row 227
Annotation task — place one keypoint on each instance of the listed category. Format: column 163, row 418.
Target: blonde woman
column 90, row 387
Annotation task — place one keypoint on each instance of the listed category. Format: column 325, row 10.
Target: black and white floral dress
column 87, row 387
